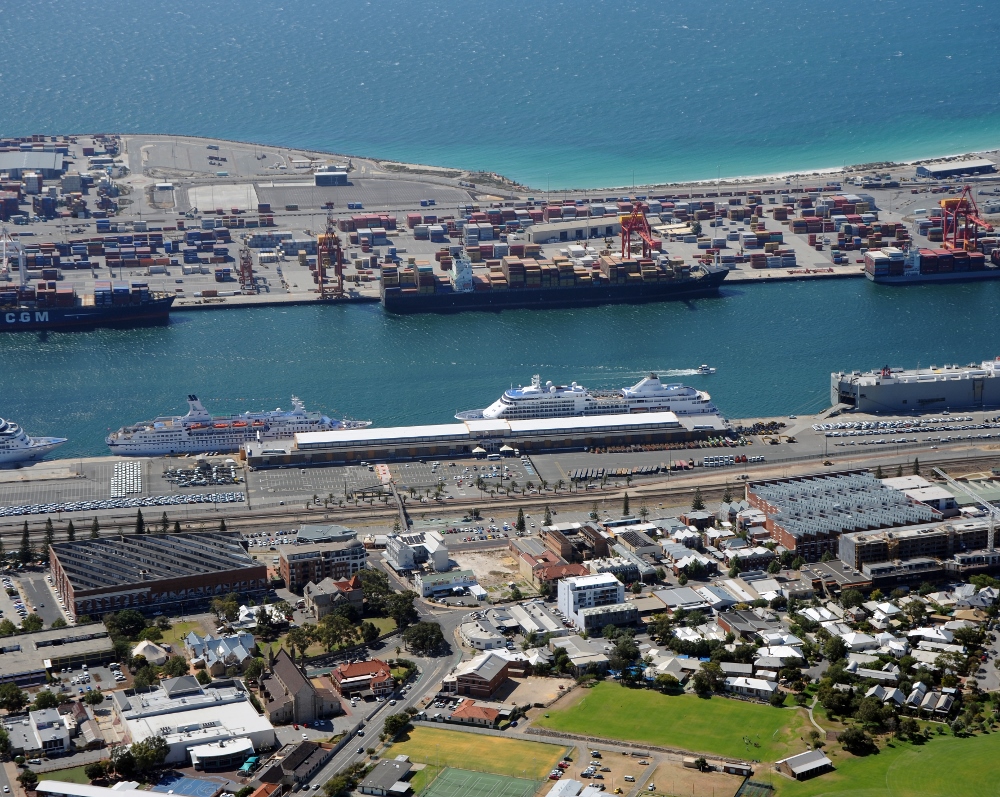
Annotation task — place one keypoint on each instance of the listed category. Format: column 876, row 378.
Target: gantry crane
column 991, row 510
column 637, row 223
column 330, row 257
column 248, row 283
column 961, row 222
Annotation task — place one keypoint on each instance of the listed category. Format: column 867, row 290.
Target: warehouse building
column 582, row 229
column 480, row 436
column 153, row 572
column 26, row 659
column 943, row 169
column 47, row 164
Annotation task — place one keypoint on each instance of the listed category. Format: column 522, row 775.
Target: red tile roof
column 469, row 710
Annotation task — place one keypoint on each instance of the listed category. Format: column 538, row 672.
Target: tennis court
column 463, row 783
column 188, row 787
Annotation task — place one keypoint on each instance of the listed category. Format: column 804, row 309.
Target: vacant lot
column 676, row 779
column 494, row 569
column 716, row 725
column 514, row 757
column 945, row 766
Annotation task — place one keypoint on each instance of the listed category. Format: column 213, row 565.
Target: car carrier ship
column 895, row 390
column 545, row 285
column 45, row 305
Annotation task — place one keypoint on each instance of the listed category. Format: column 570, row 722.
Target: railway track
column 667, row 494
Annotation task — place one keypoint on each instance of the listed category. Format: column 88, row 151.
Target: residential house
column 750, row 687
column 218, row 654
column 469, row 712
column 372, row 677
column 324, row 597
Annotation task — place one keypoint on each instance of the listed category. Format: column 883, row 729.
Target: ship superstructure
column 951, row 387
column 549, row 400
column 199, row 432
column 17, row 447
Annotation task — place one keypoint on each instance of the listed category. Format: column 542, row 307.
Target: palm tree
column 559, row 485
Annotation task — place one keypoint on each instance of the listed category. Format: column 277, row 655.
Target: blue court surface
column 189, row 787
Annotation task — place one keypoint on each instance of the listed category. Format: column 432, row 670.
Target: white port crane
column 992, row 511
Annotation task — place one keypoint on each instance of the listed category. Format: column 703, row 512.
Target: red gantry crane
column 636, row 223
column 961, row 222
column 330, row 257
column 248, row 283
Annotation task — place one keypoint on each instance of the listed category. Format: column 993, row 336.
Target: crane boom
column 991, row 510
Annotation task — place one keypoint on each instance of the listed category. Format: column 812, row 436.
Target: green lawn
column 945, row 766
column 513, row 757
column 71, row 775
column 422, row 778
column 179, row 630
column 717, row 725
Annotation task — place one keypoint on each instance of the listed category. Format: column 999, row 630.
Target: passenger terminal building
column 481, row 437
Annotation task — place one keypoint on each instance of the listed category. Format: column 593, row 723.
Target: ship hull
column 39, row 448
column 552, row 298
column 934, row 279
column 27, row 318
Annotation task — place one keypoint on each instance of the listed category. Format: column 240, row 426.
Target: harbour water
column 574, row 94
column 774, row 347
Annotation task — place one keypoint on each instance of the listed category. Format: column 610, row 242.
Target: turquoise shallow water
column 774, row 347
column 586, row 93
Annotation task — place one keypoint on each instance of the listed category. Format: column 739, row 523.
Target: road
column 432, row 670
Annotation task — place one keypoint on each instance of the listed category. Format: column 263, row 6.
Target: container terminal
column 218, row 223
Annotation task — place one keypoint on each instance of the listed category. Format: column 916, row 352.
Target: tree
column 144, row 677
column 299, row 639
column 94, row 698
column 96, row 770
column 151, row 634
column 916, row 466
column 515, row 593
column 25, row 553
column 637, row 588
column 734, row 569
column 401, row 609
column 177, row 527
column 95, row 529
column 32, row 623
column 4, row 741
column 71, row 532
column 878, row 473
column 727, row 496
column 50, row 535
column 121, row 762
column 175, row 667
column 774, row 567
column 164, row 523
column 899, row 471
column 396, row 724
column 254, row 669
column 149, row 754
column 835, row 649
column 777, row 698
column 335, row 631
column 625, row 506
column 140, row 524
column 7, row 628
column 643, row 511
column 682, row 579
column 870, row 712
column 709, row 678
column 127, row 623
column 519, row 524
column 203, row 677
column 423, row 638
column 12, row 698
column 851, row 598
column 666, row 682
column 222, row 525
column 45, row 699
column 547, row 521
column 856, row 741
column 798, row 562
column 369, row 632
column 27, row 779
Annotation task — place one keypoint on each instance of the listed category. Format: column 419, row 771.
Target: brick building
column 373, row 676
column 153, row 572
column 300, row 564
column 574, row 542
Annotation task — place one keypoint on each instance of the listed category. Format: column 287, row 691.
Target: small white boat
column 704, row 369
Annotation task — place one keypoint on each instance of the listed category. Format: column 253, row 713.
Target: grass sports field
column 463, row 783
column 945, row 766
column 717, row 725
column 514, row 757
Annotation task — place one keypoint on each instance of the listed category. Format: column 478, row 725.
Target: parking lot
column 945, row 428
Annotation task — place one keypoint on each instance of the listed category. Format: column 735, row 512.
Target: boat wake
column 679, row 372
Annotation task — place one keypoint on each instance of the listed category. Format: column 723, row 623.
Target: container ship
column 45, row 305
column 545, row 284
column 16, row 447
column 893, row 266
column 199, row 432
column 895, row 390
column 559, row 401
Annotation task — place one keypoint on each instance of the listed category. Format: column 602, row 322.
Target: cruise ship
column 198, row 432
column 945, row 387
column 16, row 447
column 557, row 401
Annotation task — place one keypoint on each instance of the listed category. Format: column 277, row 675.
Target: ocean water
column 590, row 93
column 773, row 346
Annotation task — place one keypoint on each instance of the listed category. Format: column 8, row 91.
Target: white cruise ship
column 559, row 401
column 198, row 432
column 17, row 447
